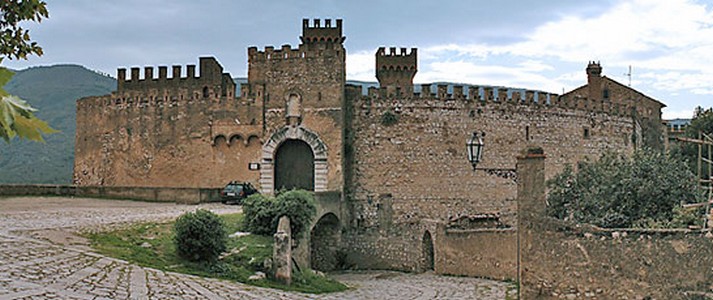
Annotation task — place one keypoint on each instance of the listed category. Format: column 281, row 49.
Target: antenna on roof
column 629, row 75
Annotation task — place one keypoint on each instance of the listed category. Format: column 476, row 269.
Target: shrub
column 644, row 190
column 389, row 118
column 299, row 206
column 259, row 214
column 200, row 236
column 262, row 213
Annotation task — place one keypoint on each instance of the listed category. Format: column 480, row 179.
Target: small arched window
column 605, row 94
column 205, row 92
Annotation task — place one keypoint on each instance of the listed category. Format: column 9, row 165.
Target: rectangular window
column 586, row 133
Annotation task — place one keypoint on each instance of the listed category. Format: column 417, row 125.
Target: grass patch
column 151, row 245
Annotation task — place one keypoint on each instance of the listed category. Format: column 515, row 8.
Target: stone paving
column 41, row 259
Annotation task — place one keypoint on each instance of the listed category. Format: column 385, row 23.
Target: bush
column 299, row 206
column 259, row 214
column 262, row 213
column 389, row 118
column 200, row 236
column 644, row 190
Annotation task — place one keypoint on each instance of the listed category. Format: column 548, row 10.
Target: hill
column 53, row 90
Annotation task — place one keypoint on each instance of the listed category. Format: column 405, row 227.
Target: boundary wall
column 152, row 194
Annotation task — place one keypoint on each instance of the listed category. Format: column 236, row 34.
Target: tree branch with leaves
column 16, row 116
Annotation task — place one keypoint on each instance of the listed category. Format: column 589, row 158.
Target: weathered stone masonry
column 397, row 158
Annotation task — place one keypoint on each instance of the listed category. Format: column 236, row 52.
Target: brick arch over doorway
column 319, row 149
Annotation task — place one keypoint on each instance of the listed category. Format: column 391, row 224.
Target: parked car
column 234, row 192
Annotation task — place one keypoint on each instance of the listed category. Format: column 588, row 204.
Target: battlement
column 396, row 70
column 486, row 96
column 316, row 33
column 270, row 53
column 211, row 73
column 397, row 61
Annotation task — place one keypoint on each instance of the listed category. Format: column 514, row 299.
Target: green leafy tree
column 16, row 116
column 15, row 40
column 702, row 122
column 644, row 190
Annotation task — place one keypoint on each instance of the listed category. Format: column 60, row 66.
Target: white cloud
column 524, row 75
column 360, row 66
column 668, row 42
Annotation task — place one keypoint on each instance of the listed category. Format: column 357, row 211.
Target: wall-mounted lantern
column 474, row 148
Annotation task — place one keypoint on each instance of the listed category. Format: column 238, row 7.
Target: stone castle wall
column 420, row 166
column 159, row 132
column 416, row 168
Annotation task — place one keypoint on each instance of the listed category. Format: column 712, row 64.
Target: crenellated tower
column 316, row 33
column 395, row 71
column 314, row 72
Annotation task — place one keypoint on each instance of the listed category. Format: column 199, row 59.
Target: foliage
column 619, row 191
column 15, row 40
column 262, row 213
column 200, row 236
column 389, row 118
column 16, row 116
column 130, row 244
column 259, row 214
column 299, row 206
column 702, row 122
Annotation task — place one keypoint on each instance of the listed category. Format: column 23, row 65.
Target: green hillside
column 53, row 90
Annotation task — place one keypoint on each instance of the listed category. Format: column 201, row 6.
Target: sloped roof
column 619, row 84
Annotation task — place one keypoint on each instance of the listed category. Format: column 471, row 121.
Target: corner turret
column 396, row 71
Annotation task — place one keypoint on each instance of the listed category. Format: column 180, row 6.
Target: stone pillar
column 531, row 183
column 530, row 208
column 282, row 252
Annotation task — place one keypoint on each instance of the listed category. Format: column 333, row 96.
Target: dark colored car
column 234, row 192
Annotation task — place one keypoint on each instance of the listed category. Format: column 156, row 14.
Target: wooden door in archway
column 294, row 166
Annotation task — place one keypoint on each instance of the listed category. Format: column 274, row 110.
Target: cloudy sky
column 542, row 45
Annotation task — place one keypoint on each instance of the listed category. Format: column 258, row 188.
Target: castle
column 392, row 161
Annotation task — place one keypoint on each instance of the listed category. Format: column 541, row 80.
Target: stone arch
column 234, row 139
column 319, row 150
column 220, row 140
column 252, row 139
column 428, row 251
column 324, row 243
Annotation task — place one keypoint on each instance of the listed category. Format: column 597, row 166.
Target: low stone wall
column 385, row 250
column 489, row 253
column 582, row 262
column 154, row 194
column 560, row 260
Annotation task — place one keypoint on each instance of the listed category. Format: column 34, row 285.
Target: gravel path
column 41, row 258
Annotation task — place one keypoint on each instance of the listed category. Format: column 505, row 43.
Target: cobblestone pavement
column 41, row 259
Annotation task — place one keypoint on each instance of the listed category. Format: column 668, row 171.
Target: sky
column 531, row 44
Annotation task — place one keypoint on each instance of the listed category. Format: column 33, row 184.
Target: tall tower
column 395, row 71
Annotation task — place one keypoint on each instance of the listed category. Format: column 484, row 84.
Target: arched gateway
column 288, row 163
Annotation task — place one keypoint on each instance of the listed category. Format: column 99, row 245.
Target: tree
column 644, row 190
column 702, row 122
column 14, row 40
column 16, row 116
